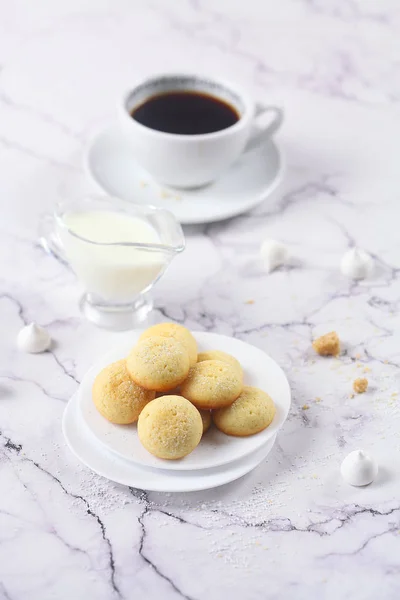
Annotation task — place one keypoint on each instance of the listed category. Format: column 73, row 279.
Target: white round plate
column 108, row 465
column 245, row 185
column 216, row 448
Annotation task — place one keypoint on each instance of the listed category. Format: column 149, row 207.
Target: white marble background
column 292, row 529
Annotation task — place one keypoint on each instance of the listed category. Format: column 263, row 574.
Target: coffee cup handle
column 262, row 134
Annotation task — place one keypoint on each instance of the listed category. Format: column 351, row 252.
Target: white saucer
column 108, row 465
column 247, row 183
column 216, row 448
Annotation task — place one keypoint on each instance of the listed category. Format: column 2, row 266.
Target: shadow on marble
column 384, row 477
column 252, row 266
column 6, row 391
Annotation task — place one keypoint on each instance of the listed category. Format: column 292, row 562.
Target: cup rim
column 248, row 104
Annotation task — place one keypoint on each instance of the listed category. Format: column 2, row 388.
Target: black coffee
column 187, row 113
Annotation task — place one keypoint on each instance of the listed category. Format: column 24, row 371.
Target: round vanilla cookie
column 170, row 427
column 118, row 398
column 223, row 356
column 252, row 412
column 212, row 384
column 158, row 363
column 178, row 332
column 206, row 418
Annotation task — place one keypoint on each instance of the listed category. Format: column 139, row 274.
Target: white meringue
column 358, row 468
column 274, row 254
column 356, row 264
column 33, row 339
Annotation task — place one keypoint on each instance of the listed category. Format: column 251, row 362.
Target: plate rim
column 167, row 467
column 174, row 476
column 269, row 190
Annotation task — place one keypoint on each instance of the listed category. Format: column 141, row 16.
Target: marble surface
column 292, row 528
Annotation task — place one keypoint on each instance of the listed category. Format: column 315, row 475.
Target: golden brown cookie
column 360, row 385
column 206, row 418
column 170, row 427
column 178, row 332
column 117, row 397
column 223, row 356
column 252, row 412
column 212, row 384
column 158, row 363
column 328, row 344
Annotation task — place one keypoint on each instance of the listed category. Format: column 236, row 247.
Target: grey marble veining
column 292, row 528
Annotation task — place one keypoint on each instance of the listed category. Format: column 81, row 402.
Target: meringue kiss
column 358, row 468
column 33, row 339
column 356, row 264
column 274, row 254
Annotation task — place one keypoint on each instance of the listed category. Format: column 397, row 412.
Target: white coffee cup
column 186, row 161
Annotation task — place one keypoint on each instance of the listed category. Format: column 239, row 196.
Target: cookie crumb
column 317, row 399
column 249, row 302
column 367, row 369
column 351, row 395
column 327, row 345
column 305, row 407
column 360, row 385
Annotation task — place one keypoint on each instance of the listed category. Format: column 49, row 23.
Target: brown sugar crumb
column 360, row 385
column 327, row 345
column 305, row 407
column 249, row 302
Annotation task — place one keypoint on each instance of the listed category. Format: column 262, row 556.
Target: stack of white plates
column 115, row 452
